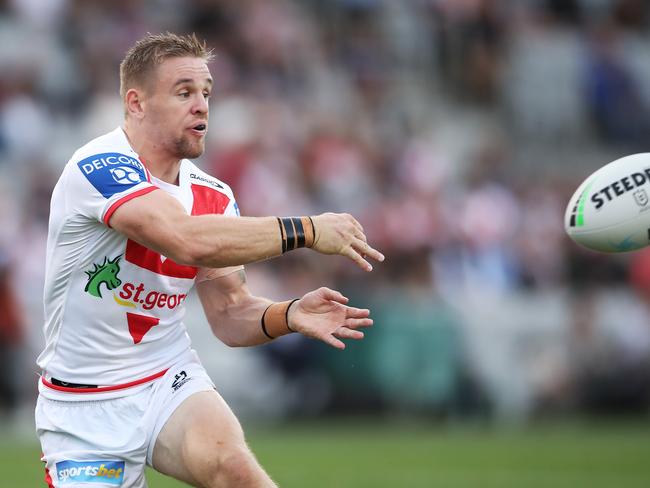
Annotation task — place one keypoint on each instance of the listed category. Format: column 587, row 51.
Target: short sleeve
column 97, row 185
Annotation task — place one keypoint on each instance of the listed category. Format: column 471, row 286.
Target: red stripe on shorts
column 48, row 478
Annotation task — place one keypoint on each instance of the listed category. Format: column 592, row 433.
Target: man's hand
column 323, row 314
column 342, row 234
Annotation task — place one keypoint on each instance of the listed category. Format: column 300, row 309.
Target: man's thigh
column 198, row 437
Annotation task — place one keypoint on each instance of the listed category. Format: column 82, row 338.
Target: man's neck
column 154, row 157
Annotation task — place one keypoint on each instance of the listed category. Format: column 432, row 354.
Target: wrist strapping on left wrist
column 275, row 319
column 296, row 232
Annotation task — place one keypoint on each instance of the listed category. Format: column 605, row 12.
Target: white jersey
column 114, row 308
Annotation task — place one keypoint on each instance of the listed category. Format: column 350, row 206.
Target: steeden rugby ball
column 610, row 210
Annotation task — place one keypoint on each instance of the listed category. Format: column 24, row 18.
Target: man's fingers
column 345, row 333
column 360, row 233
column 333, row 295
column 355, row 323
column 333, row 341
column 356, row 257
column 366, row 251
column 356, row 313
column 373, row 253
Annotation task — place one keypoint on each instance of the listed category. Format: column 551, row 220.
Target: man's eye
column 184, row 94
column 206, row 95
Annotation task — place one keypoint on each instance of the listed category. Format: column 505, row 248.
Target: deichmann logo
column 105, row 472
column 112, row 173
column 130, row 294
column 106, row 160
column 125, row 175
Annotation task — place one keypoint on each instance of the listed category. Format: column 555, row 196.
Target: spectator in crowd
column 11, row 340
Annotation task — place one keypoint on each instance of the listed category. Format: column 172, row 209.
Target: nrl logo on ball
column 641, row 198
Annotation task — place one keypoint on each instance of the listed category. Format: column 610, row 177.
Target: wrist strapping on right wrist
column 296, row 232
column 275, row 319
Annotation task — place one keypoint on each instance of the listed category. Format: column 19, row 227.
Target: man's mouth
column 200, row 128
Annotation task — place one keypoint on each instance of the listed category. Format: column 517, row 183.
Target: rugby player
column 134, row 224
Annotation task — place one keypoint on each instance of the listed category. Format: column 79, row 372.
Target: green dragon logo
column 103, row 273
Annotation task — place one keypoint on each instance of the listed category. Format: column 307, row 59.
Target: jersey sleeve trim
column 115, row 205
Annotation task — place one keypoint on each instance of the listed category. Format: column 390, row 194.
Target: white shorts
column 108, row 442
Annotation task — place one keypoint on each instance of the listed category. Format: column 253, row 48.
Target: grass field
column 376, row 454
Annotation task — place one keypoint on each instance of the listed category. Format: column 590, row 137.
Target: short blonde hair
column 150, row 51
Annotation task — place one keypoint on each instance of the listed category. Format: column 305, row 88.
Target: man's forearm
column 239, row 324
column 215, row 241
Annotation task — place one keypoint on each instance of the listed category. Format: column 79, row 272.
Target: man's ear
column 134, row 101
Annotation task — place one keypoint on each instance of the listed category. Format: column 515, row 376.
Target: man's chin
column 189, row 151
column 194, row 153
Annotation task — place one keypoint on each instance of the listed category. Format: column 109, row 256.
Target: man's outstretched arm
column 235, row 315
column 159, row 222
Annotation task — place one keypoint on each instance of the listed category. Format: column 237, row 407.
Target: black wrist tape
column 296, row 232
column 282, row 236
column 290, row 233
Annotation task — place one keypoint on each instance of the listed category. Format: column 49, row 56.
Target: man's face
column 176, row 106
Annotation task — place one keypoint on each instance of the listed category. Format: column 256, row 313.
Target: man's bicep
column 153, row 220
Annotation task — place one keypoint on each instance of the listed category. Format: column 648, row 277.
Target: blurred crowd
column 454, row 130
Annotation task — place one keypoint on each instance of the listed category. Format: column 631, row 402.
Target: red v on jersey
column 139, row 325
column 206, row 201
column 151, row 260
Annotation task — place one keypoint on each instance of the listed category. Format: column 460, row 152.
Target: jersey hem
column 102, row 389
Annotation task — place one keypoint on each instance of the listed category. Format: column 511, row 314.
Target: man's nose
column 200, row 106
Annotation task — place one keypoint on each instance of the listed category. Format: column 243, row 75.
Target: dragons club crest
column 103, row 273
